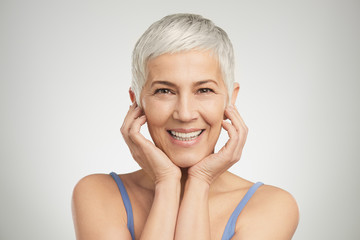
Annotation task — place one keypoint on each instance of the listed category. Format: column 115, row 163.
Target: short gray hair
column 179, row 33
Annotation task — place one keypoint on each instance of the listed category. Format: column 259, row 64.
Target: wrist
column 200, row 177
column 168, row 183
column 168, row 189
column 198, row 183
column 168, row 177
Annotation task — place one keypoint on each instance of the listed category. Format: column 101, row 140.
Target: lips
column 185, row 136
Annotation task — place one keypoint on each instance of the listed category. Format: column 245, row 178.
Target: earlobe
column 235, row 93
column 132, row 95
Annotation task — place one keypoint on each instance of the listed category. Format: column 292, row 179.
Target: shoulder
column 93, row 189
column 271, row 209
column 97, row 208
column 94, row 181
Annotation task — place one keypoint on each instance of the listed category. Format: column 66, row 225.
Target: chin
column 186, row 160
column 185, row 164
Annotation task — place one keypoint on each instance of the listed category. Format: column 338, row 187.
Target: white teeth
column 185, row 136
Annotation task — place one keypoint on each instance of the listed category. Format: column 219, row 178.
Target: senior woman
column 183, row 88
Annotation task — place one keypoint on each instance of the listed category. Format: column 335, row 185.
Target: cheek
column 213, row 113
column 156, row 113
column 153, row 118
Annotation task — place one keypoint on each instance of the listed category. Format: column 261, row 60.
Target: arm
column 96, row 203
column 161, row 220
column 98, row 212
column 193, row 220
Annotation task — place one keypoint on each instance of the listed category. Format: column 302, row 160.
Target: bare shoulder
column 271, row 209
column 98, row 212
column 92, row 184
column 93, row 189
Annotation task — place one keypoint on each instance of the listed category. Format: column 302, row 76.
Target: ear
column 235, row 93
column 132, row 95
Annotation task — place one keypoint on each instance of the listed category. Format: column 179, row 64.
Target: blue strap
column 127, row 204
column 230, row 226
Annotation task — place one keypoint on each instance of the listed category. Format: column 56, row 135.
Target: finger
column 134, row 131
column 239, row 116
column 233, row 136
column 233, row 115
column 241, row 129
column 126, row 119
column 133, row 113
column 234, row 146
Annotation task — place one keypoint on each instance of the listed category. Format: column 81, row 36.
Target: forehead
column 184, row 67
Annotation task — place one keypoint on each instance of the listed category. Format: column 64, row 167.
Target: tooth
column 185, row 136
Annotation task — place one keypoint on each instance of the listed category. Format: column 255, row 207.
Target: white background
column 65, row 74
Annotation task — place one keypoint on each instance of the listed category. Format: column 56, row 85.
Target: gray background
column 65, row 73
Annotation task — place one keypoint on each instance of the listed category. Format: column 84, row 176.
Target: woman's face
column 184, row 98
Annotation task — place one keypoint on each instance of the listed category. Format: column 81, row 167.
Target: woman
column 183, row 88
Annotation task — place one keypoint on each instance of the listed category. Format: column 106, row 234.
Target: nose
column 185, row 109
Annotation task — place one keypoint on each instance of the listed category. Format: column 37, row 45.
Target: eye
column 162, row 91
column 205, row 90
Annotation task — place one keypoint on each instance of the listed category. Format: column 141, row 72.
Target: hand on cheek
column 150, row 158
column 215, row 164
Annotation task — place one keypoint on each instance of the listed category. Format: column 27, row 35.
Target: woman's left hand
column 215, row 164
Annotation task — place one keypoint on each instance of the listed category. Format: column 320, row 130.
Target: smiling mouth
column 181, row 136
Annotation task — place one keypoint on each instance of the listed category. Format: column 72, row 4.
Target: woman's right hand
column 150, row 158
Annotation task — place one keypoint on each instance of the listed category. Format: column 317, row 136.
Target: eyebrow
column 205, row 81
column 170, row 84
column 163, row 83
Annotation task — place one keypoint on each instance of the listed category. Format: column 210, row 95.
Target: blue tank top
column 230, row 226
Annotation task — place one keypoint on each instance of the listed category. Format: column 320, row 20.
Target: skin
column 183, row 190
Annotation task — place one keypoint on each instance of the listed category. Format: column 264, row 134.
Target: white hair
column 179, row 33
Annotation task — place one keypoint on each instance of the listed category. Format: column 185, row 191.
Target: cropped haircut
column 180, row 33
